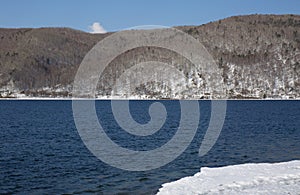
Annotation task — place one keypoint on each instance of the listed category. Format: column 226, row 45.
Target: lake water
column 41, row 151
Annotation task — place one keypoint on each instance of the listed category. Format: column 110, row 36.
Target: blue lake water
column 41, row 151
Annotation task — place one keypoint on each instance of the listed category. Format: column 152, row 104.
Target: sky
column 113, row 15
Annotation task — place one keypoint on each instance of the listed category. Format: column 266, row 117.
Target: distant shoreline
column 134, row 99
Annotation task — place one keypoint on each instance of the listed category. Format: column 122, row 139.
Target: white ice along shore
column 263, row 178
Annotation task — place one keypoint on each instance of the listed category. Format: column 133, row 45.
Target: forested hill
column 259, row 56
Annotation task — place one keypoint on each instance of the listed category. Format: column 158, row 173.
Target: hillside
column 259, row 56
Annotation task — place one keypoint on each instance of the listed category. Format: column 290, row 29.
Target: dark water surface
column 41, row 151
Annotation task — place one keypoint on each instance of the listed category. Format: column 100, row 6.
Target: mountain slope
column 259, row 56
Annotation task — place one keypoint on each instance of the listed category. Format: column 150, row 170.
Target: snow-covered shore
column 131, row 98
column 262, row 178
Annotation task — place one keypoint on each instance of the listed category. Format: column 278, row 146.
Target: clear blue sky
column 119, row 14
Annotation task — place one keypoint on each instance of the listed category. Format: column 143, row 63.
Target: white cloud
column 97, row 28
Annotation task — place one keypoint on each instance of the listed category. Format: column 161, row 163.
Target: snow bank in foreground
column 264, row 178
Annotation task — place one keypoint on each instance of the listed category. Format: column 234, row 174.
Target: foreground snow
column 264, row 178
